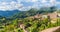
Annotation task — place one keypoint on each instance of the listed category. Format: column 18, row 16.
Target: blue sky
column 27, row 4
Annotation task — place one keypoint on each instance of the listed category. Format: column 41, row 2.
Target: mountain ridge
column 8, row 12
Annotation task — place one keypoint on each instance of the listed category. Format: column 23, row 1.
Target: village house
column 37, row 16
column 44, row 17
column 53, row 17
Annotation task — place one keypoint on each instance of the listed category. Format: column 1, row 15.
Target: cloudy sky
column 27, row 4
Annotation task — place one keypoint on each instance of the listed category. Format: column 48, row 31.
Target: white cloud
column 34, row 0
column 44, row 1
column 53, row 2
column 25, row 8
column 27, row 0
column 9, row 6
column 57, row 2
column 18, row 5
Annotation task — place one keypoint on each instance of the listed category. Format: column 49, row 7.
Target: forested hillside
column 29, row 21
column 32, row 12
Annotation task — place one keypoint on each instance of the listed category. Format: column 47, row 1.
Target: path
column 51, row 29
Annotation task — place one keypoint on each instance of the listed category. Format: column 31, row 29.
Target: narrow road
column 51, row 29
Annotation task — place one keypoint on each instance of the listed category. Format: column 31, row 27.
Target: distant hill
column 33, row 11
column 8, row 13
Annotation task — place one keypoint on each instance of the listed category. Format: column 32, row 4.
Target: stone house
column 53, row 17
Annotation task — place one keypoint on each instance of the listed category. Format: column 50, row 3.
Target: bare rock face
column 54, row 29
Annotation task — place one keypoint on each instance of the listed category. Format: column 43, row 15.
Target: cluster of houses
column 52, row 16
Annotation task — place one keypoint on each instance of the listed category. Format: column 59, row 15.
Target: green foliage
column 14, row 23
